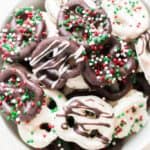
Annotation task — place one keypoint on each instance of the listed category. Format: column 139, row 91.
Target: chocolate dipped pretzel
column 85, row 25
column 55, row 60
column 84, row 120
column 129, row 18
column 116, row 90
column 111, row 92
column 130, row 114
column 20, row 37
column 20, row 97
column 109, row 65
column 42, row 125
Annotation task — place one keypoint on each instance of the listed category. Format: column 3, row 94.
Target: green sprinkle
column 21, row 11
column 54, row 110
column 65, row 22
column 8, row 118
column 116, row 10
column 79, row 10
column 25, row 97
column 38, row 10
column 107, row 77
column 118, row 117
column 123, row 114
column 2, row 97
column 108, row 5
column 60, row 96
column 32, row 132
column 141, row 105
column 7, row 47
column 9, row 36
column 84, row 53
column 30, row 141
column 77, row 29
column 121, row 124
column 136, row 120
column 118, row 49
column 19, row 21
column 37, row 18
column 14, row 115
column 113, row 136
column 53, row 130
column 129, row 53
column 38, row 103
column 141, row 125
column 106, row 59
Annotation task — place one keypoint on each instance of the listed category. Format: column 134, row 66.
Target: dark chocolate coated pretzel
column 85, row 25
column 109, row 65
column 55, row 60
column 115, row 91
column 21, row 36
column 20, row 97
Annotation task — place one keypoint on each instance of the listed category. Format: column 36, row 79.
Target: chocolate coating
column 58, row 144
column 55, row 60
column 19, row 95
column 109, row 65
column 140, row 83
column 85, row 25
column 86, row 117
column 21, row 36
column 113, row 92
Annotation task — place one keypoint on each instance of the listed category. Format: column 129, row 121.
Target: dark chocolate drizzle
column 88, row 112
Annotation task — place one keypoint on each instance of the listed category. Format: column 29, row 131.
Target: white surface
column 9, row 140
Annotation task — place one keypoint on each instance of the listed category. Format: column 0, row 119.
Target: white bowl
column 9, row 138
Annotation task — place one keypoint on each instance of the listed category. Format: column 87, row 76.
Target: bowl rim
column 5, row 126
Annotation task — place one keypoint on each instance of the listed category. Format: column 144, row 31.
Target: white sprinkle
column 9, row 60
column 4, row 30
column 33, row 29
column 98, row 77
column 101, row 72
column 24, row 25
column 20, row 90
column 117, row 55
column 59, row 145
column 13, row 101
column 114, row 143
column 28, row 75
column 25, row 59
column 18, row 119
column 12, row 52
column 18, row 79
